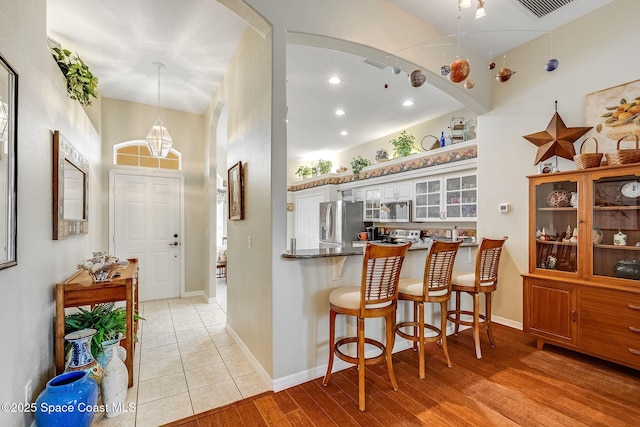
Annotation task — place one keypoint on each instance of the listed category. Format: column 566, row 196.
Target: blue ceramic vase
column 69, row 399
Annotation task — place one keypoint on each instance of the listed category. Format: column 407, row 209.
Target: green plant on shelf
column 403, row 145
column 357, row 164
column 304, row 172
column 324, row 166
column 108, row 320
column 81, row 83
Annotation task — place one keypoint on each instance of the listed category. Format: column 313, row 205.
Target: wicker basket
column 623, row 157
column 588, row 160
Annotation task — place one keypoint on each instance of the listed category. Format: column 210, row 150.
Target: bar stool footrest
column 415, row 338
column 367, row 360
column 452, row 313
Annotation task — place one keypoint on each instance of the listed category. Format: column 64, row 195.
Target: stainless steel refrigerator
column 340, row 223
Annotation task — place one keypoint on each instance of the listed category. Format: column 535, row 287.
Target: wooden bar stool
column 377, row 296
column 221, row 269
column 483, row 281
column 433, row 287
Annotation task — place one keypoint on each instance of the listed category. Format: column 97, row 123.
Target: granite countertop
column 348, row 251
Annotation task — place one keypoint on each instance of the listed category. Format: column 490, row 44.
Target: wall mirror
column 8, row 160
column 70, row 190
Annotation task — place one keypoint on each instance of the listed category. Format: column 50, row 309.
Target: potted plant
column 324, row 166
column 109, row 321
column 403, row 144
column 304, row 172
column 357, row 164
column 81, row 83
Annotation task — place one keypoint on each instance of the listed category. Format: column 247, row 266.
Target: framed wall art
column 236, row 192
column 614, row 113
column 70, row 190
column 8, row 164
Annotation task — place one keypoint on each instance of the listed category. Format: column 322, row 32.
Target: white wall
column 247, row 91
column 27, row 302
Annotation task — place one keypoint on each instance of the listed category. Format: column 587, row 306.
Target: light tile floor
column 185, row 363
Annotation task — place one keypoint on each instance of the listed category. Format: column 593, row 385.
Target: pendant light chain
column 158, row 138
column 158, row 104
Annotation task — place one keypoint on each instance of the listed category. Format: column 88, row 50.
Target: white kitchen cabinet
column 452, row 197
column 397, row 191
column 372, row 197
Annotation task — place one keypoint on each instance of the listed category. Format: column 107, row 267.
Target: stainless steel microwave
column 398, row 211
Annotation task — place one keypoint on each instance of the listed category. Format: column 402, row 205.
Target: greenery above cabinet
column 410, row 166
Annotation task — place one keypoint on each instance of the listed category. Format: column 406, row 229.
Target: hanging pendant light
column 158, row 138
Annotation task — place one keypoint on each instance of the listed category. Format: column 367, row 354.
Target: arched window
column 136, row 153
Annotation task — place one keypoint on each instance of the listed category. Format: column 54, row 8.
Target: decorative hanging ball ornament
column 459, row 70
column 551, row 64
column 396, row 70
column 417, row 78
column 492, row 65
column 504, row 74
column 445, row 70
column 469, row 84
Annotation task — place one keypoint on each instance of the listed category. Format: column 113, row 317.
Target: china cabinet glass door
column 615, row 226
column 556, row 226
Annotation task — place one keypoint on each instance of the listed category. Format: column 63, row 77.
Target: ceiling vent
column 375, row 63
column 542, row 8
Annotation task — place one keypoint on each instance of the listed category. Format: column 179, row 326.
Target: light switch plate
column 505, row 207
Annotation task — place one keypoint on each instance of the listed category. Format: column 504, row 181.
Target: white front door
column 146, row 224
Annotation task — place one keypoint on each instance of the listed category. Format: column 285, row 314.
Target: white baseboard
column 507, row 322
column 191, row 294
column 319, row 371
column 254, row 362
column 200, row 294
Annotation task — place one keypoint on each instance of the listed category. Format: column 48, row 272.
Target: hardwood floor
column 513, row 384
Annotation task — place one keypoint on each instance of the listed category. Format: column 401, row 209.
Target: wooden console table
column 79, row 290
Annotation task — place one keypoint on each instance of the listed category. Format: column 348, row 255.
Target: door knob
column 174, row 244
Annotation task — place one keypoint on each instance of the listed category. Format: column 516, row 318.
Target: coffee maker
column 372, row 233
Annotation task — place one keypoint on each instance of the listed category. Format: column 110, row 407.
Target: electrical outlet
column 28, row 392
column 505, row 208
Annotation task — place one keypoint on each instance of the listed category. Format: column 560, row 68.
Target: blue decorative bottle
column 442, row 140
column 69, row 399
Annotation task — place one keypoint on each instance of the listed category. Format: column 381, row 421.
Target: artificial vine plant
column 81, row 83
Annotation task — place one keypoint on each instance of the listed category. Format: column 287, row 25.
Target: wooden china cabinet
column 583, row 291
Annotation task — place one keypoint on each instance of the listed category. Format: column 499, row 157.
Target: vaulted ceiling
column 121, row 39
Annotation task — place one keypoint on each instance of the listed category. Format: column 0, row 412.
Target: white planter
column 115, row 382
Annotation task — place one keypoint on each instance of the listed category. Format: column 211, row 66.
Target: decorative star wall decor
column 556, row 140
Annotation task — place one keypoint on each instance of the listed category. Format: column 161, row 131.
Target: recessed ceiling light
column 407, row 103
column 334, row 80
column 344, row 133
column 339, row 112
